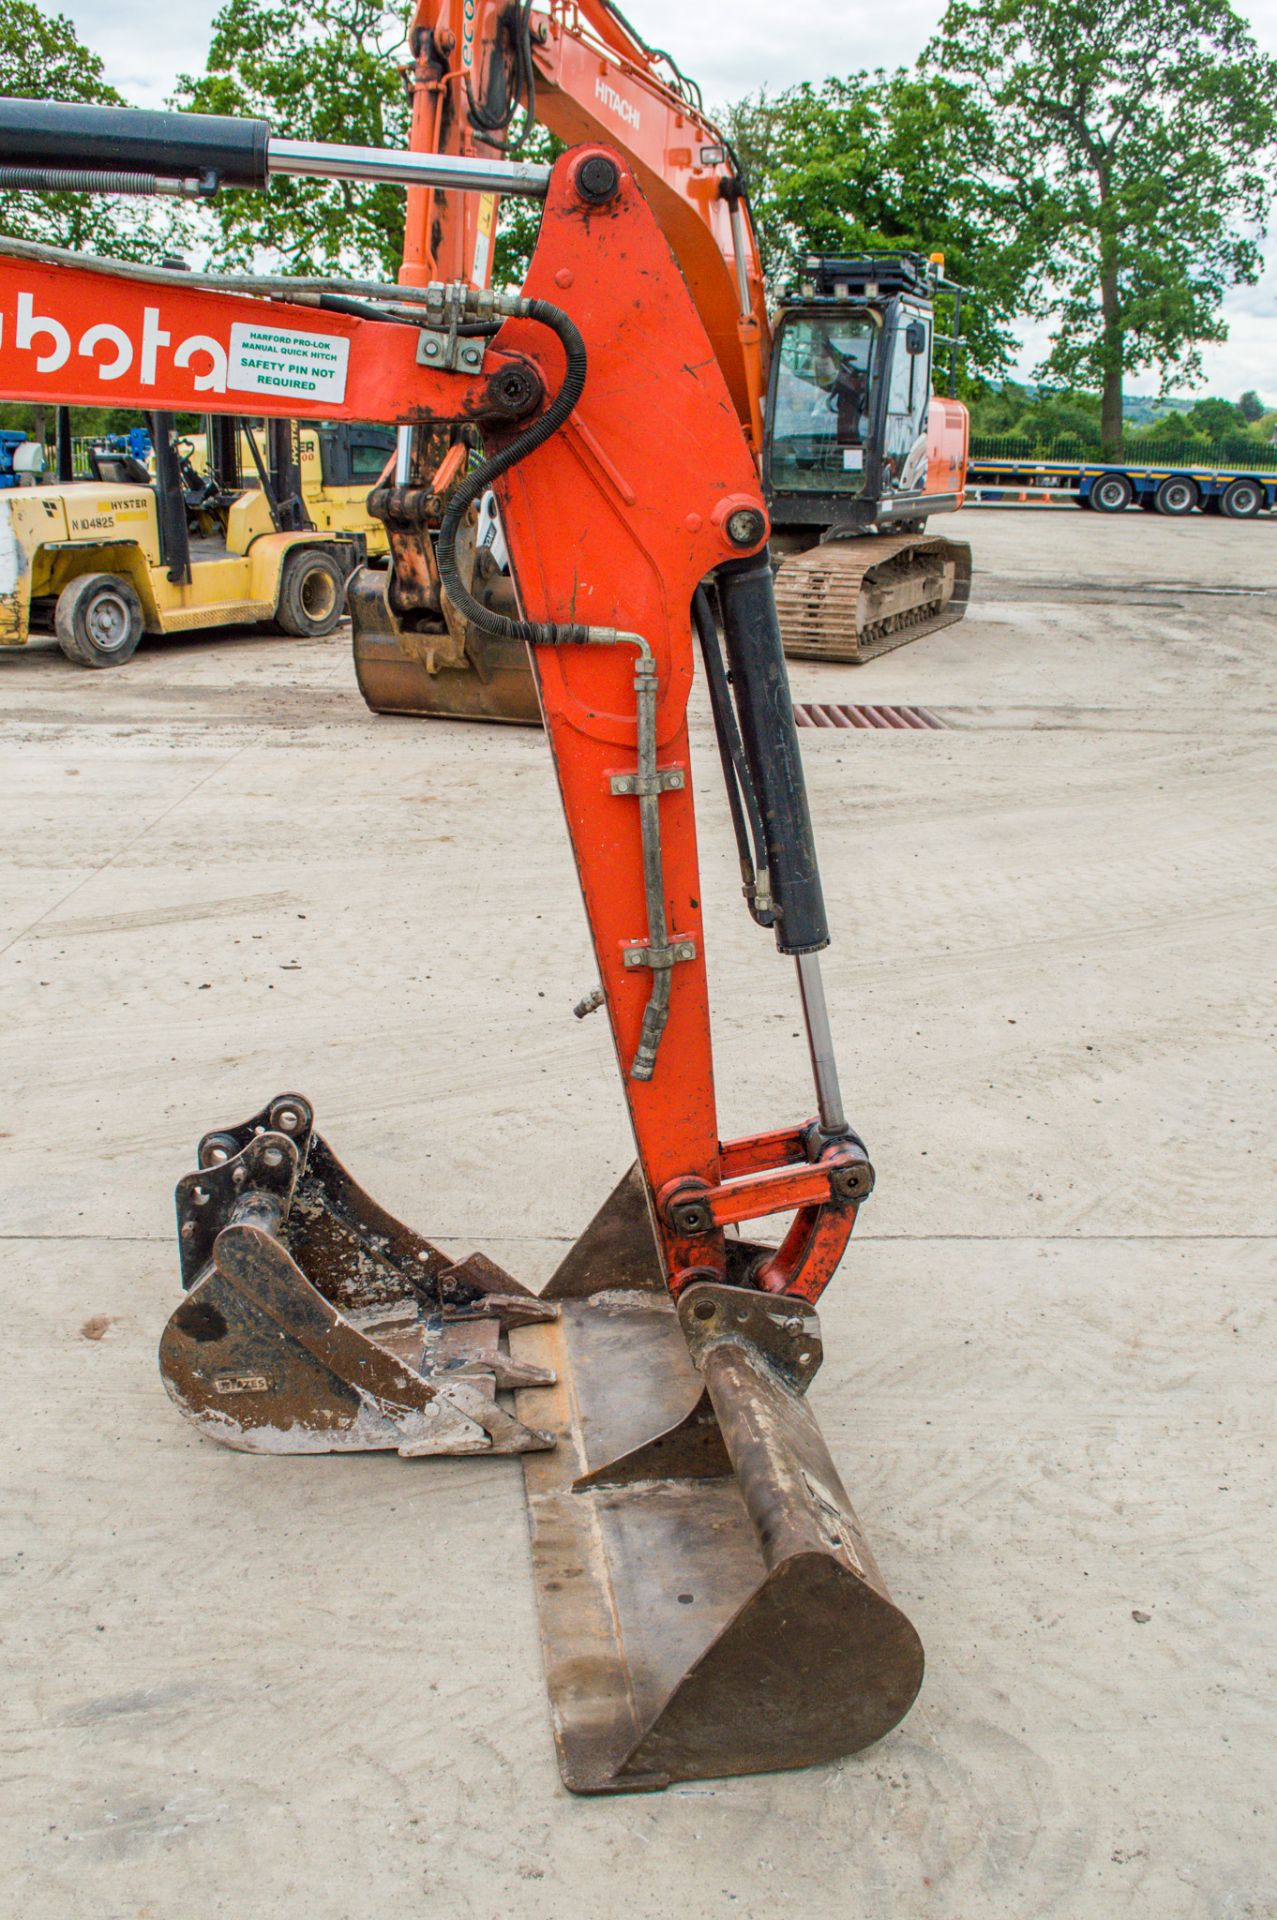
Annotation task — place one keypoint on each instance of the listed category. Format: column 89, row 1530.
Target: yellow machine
column 338, row 466
column 101, row 561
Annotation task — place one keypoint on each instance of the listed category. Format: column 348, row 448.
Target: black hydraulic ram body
column 50, row 144
column 760, row 684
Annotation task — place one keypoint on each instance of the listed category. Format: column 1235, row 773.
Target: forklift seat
column 118, row 469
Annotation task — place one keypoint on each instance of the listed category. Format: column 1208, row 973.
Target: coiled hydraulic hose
column 536, row 633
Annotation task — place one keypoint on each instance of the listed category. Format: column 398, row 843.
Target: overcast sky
column 731, row 47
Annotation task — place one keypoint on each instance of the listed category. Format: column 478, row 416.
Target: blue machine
column 137, row 441
column 9, row 439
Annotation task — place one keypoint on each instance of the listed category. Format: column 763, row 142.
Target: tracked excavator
column 834, row 393
column 708, row 1602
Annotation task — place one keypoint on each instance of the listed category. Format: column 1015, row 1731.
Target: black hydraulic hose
column 736, row 776
column 527, row 79
column 535, row 633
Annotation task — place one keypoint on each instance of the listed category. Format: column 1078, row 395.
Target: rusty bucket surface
column 315, row 1322
column 709, row 1605
column 430, row 674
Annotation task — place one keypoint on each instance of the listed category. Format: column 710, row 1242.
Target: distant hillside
column 1019, row 422
column 1142, row 409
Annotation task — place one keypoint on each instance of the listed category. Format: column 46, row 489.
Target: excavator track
column 850, row 600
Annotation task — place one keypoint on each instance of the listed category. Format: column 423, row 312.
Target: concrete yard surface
column 310, row 1689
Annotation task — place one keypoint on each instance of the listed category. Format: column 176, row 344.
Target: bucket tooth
column 316, row 1322
column 709, row 1605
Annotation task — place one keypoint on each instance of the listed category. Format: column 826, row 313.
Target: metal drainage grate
column 902, row 719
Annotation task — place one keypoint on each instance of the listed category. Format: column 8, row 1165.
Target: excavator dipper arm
column 708, row 1602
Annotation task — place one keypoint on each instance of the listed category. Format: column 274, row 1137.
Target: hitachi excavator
column 709, row 1605
column 834, row 394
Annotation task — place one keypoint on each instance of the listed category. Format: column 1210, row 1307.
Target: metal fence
column 1237, row 450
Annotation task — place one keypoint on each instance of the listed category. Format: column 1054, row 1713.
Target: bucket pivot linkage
column 315, row 1322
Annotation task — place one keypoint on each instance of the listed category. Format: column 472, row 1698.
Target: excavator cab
column 856, row 451
column 848, row 405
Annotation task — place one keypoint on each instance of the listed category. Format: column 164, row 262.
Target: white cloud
column 731, row 47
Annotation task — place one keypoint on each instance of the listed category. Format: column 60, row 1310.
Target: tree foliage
column 1135, row 139
column 878, row 162
column 41, row 58
column 1017, row 421
column 519, row 221
column 324, row 71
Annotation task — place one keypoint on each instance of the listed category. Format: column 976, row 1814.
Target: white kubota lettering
column 95, row 336
column 153, row 338
column 258, row 359
column 214, row 381
column 31, row 325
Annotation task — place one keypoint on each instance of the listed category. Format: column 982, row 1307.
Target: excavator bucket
column 450, row 670
column 850, row 600
column 314, row 1322
column 709, row 1605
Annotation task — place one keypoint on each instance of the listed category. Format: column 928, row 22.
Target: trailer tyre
column 1112, row 493
column 98, row 620
column 1242, row 499
column 1176, row 496
column 312, row 594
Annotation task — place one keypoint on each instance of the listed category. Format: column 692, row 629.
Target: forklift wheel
column 312, row 594
column 98, row 620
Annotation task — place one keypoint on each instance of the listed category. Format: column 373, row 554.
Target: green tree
column 1137, row 137
column 42, row 59
column 326, row 71
column 1214, row 418
column 879, row 162
column 519, row 221
column 1250, row 407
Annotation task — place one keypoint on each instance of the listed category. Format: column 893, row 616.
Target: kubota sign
column 74, row 337
column 251, row 359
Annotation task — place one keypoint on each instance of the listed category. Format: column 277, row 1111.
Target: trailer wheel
column 1112, row 493
column 1242, row 499
column 98, row 620
column 312, row 594
column 1176, row 496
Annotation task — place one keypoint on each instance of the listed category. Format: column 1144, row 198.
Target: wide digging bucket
column 314, row 1322
column 709, row 1605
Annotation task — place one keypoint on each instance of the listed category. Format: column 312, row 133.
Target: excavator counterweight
column 708, row 1602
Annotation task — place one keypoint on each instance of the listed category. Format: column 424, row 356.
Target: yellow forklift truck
column 100, row 561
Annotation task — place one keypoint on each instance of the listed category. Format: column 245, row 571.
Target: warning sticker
column 267, row 360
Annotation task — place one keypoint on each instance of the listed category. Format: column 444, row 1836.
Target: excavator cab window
column 904, row 445
column 824, row 372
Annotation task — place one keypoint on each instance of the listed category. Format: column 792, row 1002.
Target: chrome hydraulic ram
column 760, row 684
column 50, row 145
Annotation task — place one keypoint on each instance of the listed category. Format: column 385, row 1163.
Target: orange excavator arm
column 583, row 72
column 709, row 1604
column 644, row 463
